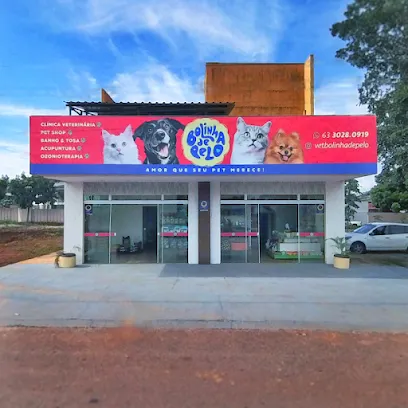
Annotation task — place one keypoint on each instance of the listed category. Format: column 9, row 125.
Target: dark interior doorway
column 150, row 228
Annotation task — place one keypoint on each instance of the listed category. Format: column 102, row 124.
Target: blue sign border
column 218, row 170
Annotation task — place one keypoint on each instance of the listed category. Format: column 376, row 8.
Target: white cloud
column 368, row 182
column 154, row 83
column 19, row 110
column 341, row 98
column 83, row 86
column 14, row 158
column 247, row 28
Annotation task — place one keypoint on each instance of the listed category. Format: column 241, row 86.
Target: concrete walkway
column 45, row 259
column 275, row 296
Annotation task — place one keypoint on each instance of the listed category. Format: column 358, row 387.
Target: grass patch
column 8, row 223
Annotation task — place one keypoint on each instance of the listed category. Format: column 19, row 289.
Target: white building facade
column 197, row 204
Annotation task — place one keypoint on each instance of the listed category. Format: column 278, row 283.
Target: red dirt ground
column 128, row 367
column 21, row 243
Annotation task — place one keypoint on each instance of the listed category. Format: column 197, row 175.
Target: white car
column 378, row 236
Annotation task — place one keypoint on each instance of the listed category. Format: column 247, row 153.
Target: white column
column 215, row 220
column 74, row 219
column 335, row 220
column 193, row 222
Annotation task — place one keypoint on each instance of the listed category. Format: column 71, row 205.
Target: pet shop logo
column 205, row 142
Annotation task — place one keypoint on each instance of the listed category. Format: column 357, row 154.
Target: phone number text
column 344, row 135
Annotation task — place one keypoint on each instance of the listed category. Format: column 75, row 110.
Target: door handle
column 387, row 237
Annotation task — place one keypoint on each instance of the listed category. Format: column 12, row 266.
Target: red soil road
column 128, row 367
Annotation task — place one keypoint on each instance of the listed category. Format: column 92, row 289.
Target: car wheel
column 358, row 248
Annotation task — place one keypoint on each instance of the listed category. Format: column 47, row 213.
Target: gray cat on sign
column 250, row 143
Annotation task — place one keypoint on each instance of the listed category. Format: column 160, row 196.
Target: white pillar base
column 335, row 220
column 215, row 220
column 74, row 220
column 193, row 223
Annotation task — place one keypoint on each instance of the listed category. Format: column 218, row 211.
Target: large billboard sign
column 201, row 145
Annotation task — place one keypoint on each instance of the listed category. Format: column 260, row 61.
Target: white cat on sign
column 120, row 149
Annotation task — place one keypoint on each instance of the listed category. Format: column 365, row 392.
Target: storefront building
column 196, row 183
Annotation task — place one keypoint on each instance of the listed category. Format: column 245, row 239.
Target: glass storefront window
column 252, row 213
column 96, row 233
column 232, row 197
column 96, row 197
column 133, row 233
column 278, row 224
column 158, row 232
column 255, row 233
column 136, row 197
column 272, row 197
column 176, row 197
column 233, row 233
column 311, row 232
column 173, row 233
column 312, row 196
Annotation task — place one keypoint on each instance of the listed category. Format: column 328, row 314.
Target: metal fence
column 8, row 214
column 55, row 216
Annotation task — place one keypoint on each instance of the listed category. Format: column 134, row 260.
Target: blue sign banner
column 177, row 169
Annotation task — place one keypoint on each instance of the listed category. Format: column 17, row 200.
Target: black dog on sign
column 159, row 137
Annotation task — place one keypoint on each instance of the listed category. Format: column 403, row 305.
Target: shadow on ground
column 309, row 270
column 381, row 258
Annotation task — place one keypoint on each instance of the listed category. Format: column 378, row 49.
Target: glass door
column 252, row 233
column 279, row 232
column 172, row 233
column 97, row 233
column 311, row 232
column 233, row 233
column 130, row 225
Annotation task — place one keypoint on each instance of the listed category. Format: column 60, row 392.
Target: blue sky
column 139, row 50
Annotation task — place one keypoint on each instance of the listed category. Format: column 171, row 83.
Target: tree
column 27, row 190
column 4, row 181
column 390, row 189
column 44, row 189
column 352, row 198
column 395, row 207
column 22, row 191
column 376, row 36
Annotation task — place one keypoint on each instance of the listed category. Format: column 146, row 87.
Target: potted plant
column 65, row 260
column 342, row 258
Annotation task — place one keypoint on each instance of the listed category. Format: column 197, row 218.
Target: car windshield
column 364, row 229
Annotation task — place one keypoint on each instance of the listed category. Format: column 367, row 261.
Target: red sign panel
column 142, row 145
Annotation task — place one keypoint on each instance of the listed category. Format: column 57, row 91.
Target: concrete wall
column 362, row 213
column 387, row 217
column 262, row 89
